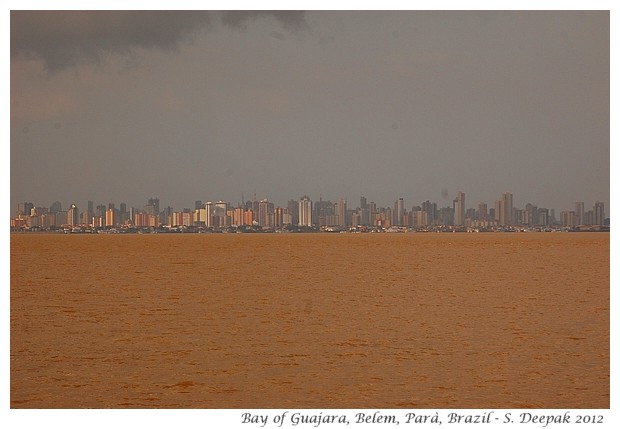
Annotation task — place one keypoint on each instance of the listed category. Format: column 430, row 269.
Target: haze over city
column 403, row 211
column 121, row 106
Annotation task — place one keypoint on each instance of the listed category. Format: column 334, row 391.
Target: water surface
column 492, row 320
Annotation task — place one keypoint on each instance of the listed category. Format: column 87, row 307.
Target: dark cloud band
column 65, row 38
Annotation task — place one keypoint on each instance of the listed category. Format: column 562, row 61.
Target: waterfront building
column 305, row 211
column 209, row 208
column 399, row 211
column 599, row 213
column 263, row 214
column 279, row 217
column 152, row 207
column 568, row 219
column 57, row 207
column 110, row 217
column 507, row 209
column 341, row 212
column 73, row 216
column 238, row 216
column 579, row 213
column 431, row 210
column 420, row 218
column 293, row 210
column 459, row 209
column 248, row 217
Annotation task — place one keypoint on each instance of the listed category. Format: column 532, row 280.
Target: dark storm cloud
column 66, row 38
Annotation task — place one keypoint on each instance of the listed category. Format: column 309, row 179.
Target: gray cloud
column 290, row 19
column 66, row 38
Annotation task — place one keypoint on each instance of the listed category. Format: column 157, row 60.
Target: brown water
column 310, row 321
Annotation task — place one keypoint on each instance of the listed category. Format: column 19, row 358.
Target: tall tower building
column 110, row 217
column 24, row 208
column 341, row 212
column 364, row 212
column 431, row 210
column 399, row 212
column 209, row 214
column 459, row 209
column 73, row 216
column 509, row 208
column 55, row 207
column 499, row 208
column 263, row 213
column 220, row 214
column 504, row 210
column 599, row 213
column 363, row 203
column 305, row 211
column 293, row 209
column 579, row 213
column 482, row 211
column 372, row 207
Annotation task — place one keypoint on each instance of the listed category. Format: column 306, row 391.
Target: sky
column 122, row 106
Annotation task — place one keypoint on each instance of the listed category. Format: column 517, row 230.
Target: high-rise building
column 279, row 217
column 364, row 212
column 55, row 207
column 220, row 215
column 293, row 209
column 431, row 210
column 73, row 216
column 24, row 208
column 110, row 217
column 372, row 209
column 568, row 218
column 237, row 220
column 446, row 216
column 508, row 208
column 399, row 211
column 482, row 211
column 599, row 213
column 263, row 213
column 543, row 217
column 341, row 212
column 305, row 211
column 579, row 213
column 499, row 208
column 323, row 213
column 459, row 209
column 504, row 210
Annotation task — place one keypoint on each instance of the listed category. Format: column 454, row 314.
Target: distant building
column 263, row 214
column 293, row 210
column 482, row 211
column 305, row 211
column 24, row 208
column 110, row 217
column 504, row 210
column 399, row 211
column 580, row 213
column 599, row 213
column 459, row 209
column 341, row 212
column 73, row 215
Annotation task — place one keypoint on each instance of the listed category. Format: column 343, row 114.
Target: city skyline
column 306, row 212
column 109, row 106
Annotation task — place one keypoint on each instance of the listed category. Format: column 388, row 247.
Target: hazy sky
column 124, row 106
